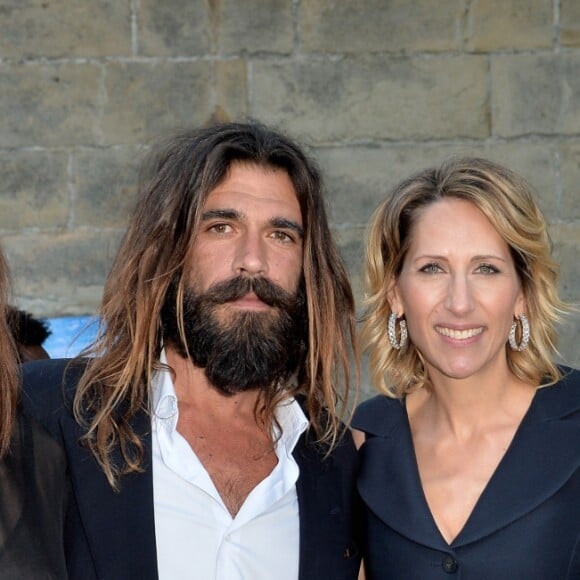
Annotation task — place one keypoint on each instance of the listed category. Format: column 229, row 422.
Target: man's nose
column 251, row 255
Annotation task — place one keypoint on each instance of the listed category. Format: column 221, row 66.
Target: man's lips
column 250, row 302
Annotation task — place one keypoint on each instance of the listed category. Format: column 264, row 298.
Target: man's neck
column 193, row 388
column 236, row 451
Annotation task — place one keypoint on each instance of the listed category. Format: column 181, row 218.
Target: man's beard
column 251, row 350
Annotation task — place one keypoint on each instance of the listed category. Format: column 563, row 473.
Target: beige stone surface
column 570, row 23
column 174, row 28
column 350, row 241
column 566, row 250
column 375, row 98
column 64, row 28
column 535, row 94
column 355, row 26
column 104, row 185
column 231, row 90
column 359, row 177
column 570, row 175
column 48, row 104
column 147, row 101
column 33, row 190
column 255, row 26
column 493, row 25
column 61, row 273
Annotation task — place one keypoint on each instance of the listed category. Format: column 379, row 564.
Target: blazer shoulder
column 562, row 399
column 48, row 388
column 379, row 415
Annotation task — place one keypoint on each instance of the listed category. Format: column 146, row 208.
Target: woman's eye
column 431, row 269
column 487, row 269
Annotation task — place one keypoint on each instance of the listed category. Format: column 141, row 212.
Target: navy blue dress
column 526, row 524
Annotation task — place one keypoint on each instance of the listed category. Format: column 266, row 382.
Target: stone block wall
column 376, row 88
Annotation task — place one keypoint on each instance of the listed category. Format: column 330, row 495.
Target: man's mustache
column 266, row 290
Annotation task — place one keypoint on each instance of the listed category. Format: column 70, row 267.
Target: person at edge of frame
column 33, row 478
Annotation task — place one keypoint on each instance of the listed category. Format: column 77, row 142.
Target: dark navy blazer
column 111, row 536
column 526, row 524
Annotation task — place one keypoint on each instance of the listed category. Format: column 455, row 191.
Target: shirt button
column 450, row 564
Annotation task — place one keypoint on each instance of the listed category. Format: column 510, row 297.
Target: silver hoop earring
column 523, row 319
column 402, row 342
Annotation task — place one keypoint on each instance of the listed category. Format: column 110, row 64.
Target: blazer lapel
column 313, row 507
column 389, row 481
column 544, row 454
column 119, row 526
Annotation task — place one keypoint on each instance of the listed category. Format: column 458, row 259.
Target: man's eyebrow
column 230, row 214
column 288, row 224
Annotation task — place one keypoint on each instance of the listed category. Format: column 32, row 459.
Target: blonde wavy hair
column 114, row 388
column 508, row 202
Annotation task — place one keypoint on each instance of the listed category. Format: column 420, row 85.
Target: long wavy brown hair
column 9, row 375
column 178, row 179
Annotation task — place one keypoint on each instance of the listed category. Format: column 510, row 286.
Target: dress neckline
column 490, row 483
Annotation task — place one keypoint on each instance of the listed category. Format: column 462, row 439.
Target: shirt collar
column 289, row 414
column 164, row 399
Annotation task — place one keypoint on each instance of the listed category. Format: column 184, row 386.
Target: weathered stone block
column 535, row 94
column 256, row 26
column 352, row 26
column 350, row 241
column 569, row 338
column 105, row 183
column 509, row 24
column 570, row 23
column 566, row 239
column 353, row 194
column 33, row 190
column 566, row 250
column 359, row 177
column 148, row 100
column 48, row 104
column 173, row 28
column 64, row 29
column 67, row 271
column 375, row 98
column 536, row 163
column 231, row 90
column 570, row 174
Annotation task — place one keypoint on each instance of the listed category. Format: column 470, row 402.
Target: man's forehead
column 248, row 183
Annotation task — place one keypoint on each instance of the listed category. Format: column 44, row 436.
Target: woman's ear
column 394, row 297
column 521, row 305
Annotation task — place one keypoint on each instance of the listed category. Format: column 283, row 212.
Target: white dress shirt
column 196, row 536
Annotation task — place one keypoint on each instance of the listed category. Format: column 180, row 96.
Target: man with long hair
column 203, row 430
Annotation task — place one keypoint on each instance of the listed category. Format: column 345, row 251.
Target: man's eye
column 220, row 228
column 282, row 236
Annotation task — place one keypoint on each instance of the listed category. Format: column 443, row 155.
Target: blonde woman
column 470, row 455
